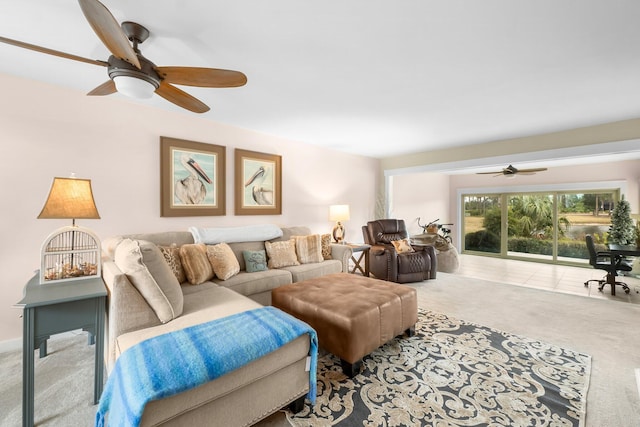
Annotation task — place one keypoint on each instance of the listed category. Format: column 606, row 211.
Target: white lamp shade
column 339, row 213
column 134, row 87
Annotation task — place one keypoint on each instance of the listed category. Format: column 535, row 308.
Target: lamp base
column 338, row 233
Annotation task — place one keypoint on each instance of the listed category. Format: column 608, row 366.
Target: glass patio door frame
column 615, row 187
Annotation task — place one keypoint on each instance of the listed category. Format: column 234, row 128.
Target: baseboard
column 16, row 344
column 10, row 345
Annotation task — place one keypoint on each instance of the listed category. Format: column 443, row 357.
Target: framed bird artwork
column 192, row 178
column 258, row 183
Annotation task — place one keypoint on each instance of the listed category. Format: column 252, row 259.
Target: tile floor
column 557, row 278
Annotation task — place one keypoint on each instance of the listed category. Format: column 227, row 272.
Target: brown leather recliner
column 387, row 264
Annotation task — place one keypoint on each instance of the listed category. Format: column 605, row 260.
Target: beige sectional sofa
column 134, row 314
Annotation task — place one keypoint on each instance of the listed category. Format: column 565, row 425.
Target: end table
column 54, row 308
column 364, row 256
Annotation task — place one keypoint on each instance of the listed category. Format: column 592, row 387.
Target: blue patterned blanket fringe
column 169, row 364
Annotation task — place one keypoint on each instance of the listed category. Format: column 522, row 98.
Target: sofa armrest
column 343, row 254
column 127, row 310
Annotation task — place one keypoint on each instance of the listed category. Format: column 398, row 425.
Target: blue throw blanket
column 178, row 361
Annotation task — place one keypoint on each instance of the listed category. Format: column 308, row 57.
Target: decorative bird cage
column 70, row 253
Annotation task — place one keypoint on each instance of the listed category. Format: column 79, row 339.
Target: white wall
column 431, row 195
column 47, row 131
column 422, row 195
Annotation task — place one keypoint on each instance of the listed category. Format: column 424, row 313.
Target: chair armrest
column 342, row 253
column 431, row 251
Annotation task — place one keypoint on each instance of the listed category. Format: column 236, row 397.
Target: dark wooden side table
column 54, row 308
column 363, row 249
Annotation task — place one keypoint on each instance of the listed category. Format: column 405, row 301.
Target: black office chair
column 602, row 261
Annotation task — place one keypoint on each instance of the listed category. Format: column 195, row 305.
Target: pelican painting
column 191, row 190
column 260, row 184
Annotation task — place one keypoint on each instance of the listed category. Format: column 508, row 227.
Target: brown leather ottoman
column 353, row 315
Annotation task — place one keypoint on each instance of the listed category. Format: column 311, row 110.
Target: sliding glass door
column 482, row 223
column 542, row 226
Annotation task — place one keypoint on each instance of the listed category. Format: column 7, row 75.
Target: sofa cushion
column 325, row 241
column 309, row 248
column 172, row 257
column 250, row 284
column 255, row 261
column 196, row 264
column 311, row 271
column 147, row 270
column 223, row 261
column 281, row 254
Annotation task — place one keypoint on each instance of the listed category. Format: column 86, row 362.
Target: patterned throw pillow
column 402, row 246
column 171, row 254
column 224, row 262
column 309, row 249
column 195, row 262
column 255, row 261
column 326, row 246
column 281, row 254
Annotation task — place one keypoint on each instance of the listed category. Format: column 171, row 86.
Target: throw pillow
column 195, row 262
column 326, row 246
column 147, row 270
column 171, row 255
column 402, row 246
column 222, row 259
column 255, row 261
column 281, row 254
column 309, row 249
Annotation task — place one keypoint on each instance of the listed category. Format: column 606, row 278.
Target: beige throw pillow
column 326, row 246
column 402, row 246
column 222, row 259
column 172, row 256
column 309, row 248
column 147, row 270
column 195, row 262
column 281, row 254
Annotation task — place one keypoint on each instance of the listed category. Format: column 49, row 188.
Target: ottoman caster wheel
column 351, row 369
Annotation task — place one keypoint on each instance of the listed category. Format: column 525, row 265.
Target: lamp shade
column 339, row 213
column 70, row 198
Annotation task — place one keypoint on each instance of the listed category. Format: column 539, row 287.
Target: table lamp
column 338, row 213
column 70, row 252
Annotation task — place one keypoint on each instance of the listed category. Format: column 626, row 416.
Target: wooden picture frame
column 192, row 176
column 258, row 183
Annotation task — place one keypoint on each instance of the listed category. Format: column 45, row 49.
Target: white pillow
column 147, row 270
column 249, row 233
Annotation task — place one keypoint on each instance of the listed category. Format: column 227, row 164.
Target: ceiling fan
column 132, row 74
column 511, row 171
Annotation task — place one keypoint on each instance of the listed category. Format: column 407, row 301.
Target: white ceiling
column 371, row 77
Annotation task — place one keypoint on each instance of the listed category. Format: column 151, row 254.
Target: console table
column 54, row 308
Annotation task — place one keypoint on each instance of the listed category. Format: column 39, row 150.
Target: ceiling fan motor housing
column 147, row 72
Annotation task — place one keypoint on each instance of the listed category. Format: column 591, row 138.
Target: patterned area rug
column 454, row 373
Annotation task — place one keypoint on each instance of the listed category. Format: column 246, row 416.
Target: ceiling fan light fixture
column 134, row 87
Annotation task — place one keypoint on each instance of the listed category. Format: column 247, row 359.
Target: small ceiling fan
column 511, row 171
column 132, row 74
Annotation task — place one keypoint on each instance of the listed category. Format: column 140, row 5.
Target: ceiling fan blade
column 181, row 98
column 202, row 77
column 106, row 88
column 489, row 173
column 52, row 52
column 109, row 31
column 534, row 170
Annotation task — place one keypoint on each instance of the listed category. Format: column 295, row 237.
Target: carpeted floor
column 606, row 330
